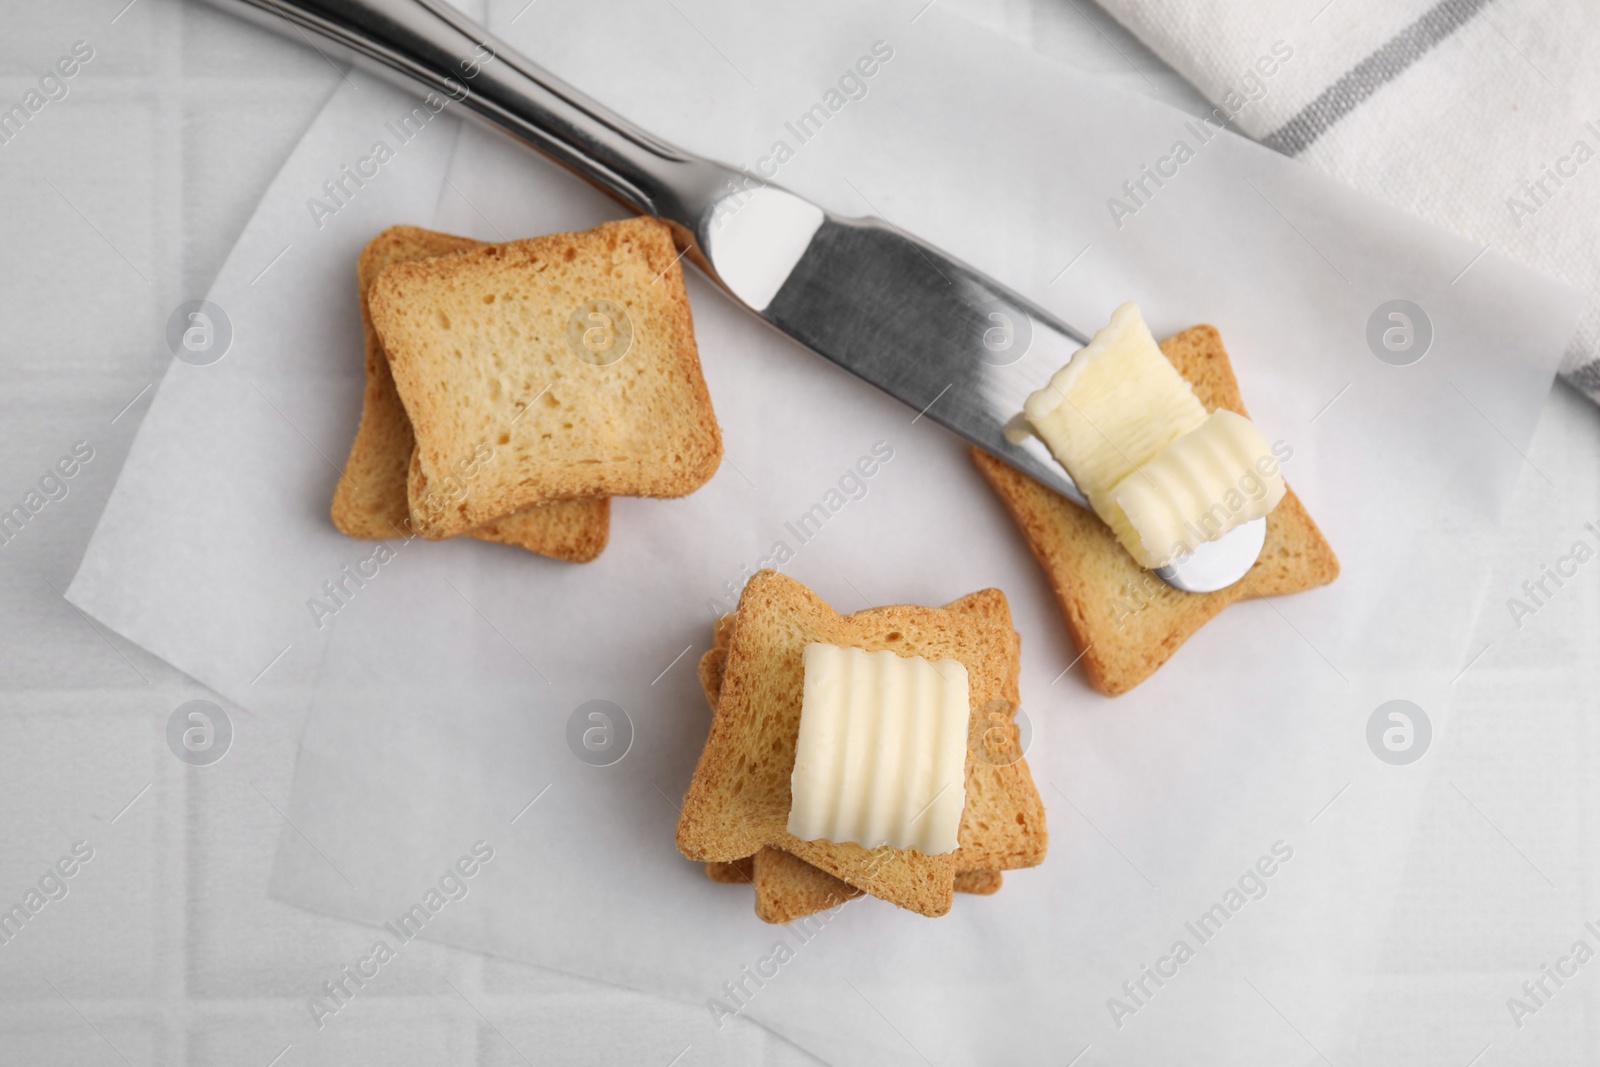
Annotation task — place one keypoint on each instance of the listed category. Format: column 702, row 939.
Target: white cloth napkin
column 440, row 695
column 1481, row 117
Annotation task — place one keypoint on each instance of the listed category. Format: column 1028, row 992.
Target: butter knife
column 949, row 342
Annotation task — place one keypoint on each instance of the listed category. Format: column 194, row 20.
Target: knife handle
column 428, row 43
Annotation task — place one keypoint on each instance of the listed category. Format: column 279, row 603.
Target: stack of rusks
column 739, row 813
column 512, row 389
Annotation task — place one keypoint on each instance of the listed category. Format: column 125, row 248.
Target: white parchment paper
column 439, row 696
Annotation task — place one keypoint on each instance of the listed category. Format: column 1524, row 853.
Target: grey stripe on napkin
column 1371, row 74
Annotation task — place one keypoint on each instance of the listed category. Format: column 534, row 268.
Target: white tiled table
column 121, row 201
